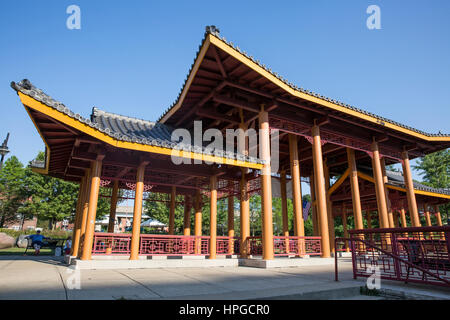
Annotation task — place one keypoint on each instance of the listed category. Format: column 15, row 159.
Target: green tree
column 435, row 170
column 52, row 199
column 12, row 194
column 157, row 206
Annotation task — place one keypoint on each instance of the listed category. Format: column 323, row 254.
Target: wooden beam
column 201, row 103
column 123, row 172
column 323, row 120
column 57, row 140
column 82, row 155
column 212, row 114
column 57, row 122
column 219, row 62
column 87, row 140
column 236, row 103
column 302, row 105
column 249, row 89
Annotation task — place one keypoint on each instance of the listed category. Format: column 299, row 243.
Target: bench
column 47, row 243
column 428, row 254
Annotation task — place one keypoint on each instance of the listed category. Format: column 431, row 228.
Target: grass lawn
column 30, row 252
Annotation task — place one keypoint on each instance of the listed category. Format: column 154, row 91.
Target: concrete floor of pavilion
column 47, row 278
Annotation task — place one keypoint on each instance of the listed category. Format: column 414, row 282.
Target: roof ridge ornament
column 213, row 30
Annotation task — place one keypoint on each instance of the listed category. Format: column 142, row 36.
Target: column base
column 286, row 262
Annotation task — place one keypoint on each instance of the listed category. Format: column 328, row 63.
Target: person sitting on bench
column 36, row 241
column 68, row 245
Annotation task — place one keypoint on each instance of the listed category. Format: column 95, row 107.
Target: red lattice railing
column 417, row 254
column 167, row 245
column 111, row 243
column 170, row 245
column 227, row 245
column 284, row 246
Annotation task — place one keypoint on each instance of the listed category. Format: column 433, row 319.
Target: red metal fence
column 416, row 254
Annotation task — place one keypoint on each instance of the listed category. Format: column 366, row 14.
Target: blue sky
column 131, row 57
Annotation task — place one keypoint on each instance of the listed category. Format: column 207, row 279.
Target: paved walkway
column 49, row 278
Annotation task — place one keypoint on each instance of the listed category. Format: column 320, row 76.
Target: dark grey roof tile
column 396, row 178
column 215, row 33
column 120, row 127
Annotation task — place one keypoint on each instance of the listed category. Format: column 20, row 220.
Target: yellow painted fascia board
column 47, row 149
column 420, row 192
column 432, row 194
column 339, row 182
column 233, row 52
column 63, row 118
column 186, row 87
column 41, row 171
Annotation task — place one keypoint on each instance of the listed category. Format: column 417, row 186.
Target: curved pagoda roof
column 123, row 131
column 220, row 64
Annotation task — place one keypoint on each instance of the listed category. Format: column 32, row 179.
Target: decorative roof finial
column 213, row 30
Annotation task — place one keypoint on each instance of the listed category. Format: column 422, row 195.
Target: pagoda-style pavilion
column 320, row 139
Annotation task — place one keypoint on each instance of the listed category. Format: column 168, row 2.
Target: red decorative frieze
column 104, row 183
column 132, row 186
column 328, row 136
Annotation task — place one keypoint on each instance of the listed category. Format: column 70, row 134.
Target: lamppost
column 4, row 150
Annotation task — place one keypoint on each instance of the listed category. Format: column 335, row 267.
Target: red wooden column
column 244, row 216
column 85, row 209
column 379, row 186
column 230, row 223
column 439, row 220
column 329, row 207
column 187, row 215
column 438, row 216
column 244, row 196
column 299, row 227
column 173, row 198
column 139, row 195
column 386, row 192
column 266, row 186
column 344, row 226
column 321, row 197
column 198, row 221
column 426, row 211
column 96, row 169
column 403, row 218
column 112, row 212
column 315, row 221
column 78, row 218
column 213, row 218
column 356, row 198
column 396, row 222
column 411, row 196
column 369, row 219
column 284, row 208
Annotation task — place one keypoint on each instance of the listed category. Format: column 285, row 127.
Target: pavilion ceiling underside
column 225, row 91
column 160, row 174
column 58, row 138
column 160, row 178
column 71, row 152
column 342, row 196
